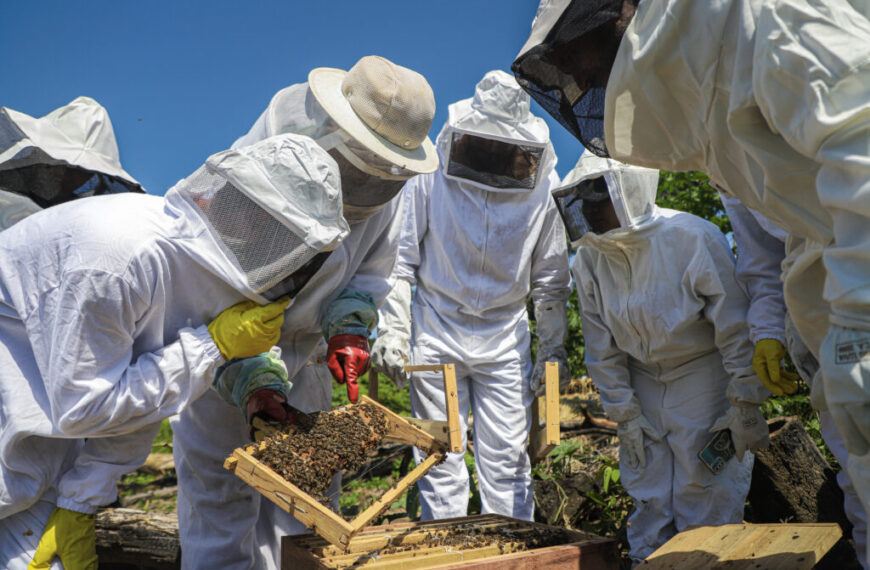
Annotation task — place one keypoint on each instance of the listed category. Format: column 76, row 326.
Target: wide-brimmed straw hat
column 385, row 107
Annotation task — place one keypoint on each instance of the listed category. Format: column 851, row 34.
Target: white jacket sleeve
column 606, row 363
column 551, row 279
column 94, row 386
column 712, row 273
column 415, row 196
column 759, row 270
column 812, row 69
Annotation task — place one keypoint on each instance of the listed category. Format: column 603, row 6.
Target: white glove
column 748, row 429
column 630, row 434
column 552, row 320
column 391, row 351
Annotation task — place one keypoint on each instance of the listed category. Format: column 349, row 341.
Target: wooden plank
column 394, row 493
column 437, row 429
column 373, row 384
column 424, row 368
column 551, row 376
column 770, row 546
column 290, row 498
column 451, row 394
column 400, row 430
column 596, row 555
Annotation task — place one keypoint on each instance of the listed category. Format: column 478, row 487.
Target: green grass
column 396, row 400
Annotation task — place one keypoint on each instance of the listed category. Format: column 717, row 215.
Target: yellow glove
column 70, row 536
column 766, row 363
column 247, row 329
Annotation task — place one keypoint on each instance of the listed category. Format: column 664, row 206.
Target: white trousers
column 674, row 489
column 498, row 396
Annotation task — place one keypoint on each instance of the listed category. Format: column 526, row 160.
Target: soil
column 308, row 457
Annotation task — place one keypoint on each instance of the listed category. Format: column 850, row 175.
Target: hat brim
column 325, row 83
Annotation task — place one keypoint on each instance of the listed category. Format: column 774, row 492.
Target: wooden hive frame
column 544, row 434
column 311, row 512
column 583, row 550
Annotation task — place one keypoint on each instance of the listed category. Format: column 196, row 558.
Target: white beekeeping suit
column 67, row 154
column 479, row 236
column 667, row 345
column 104, row 307
column 760, row 252
column 772, row 100
column 340, row 299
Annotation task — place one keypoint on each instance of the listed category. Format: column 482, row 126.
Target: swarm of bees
column 309, row 456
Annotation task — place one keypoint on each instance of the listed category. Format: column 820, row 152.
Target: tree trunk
column 129, row 538
column 792, row 482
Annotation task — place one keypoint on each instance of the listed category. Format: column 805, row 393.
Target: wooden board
column 746, row 546
column 310, row 511
column 544, row 434
column 451, row 404
column 582, row 550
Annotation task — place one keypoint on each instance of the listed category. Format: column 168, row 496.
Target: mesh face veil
column 492, row 162
column 570, row 200
column 368, row 181
column 264, row 249
column 566, row 61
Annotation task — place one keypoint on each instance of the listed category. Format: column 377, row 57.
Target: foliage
column 397, row 400
column 163, row 441
column 691, row 192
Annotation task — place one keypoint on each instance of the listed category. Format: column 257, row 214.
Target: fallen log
column 137, row 538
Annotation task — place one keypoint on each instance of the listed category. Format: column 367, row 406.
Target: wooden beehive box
column 409, row 546
column 314, row 514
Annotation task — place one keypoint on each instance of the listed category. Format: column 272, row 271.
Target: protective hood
column 498, row 112
column 40, row 157
column 568, row 36
column 271, row 207
column 631, row 189
column 369, row 181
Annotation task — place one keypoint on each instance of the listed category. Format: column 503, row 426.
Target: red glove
column 347, row 357
column 266, row 413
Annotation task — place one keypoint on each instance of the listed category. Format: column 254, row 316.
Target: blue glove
column 237, row 380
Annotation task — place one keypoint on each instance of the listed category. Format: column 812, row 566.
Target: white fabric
column 364, row 261
column 294, row 180
column 14, row 208
column 759, row 269
column 77, row 134
column 675, row 490
column 475, row 255
column 391, row 351
column 551, row 320
column 770, row 99
column 499, row 109
column 497, row 394
column 851, row 503
column 664, row 323
column 632, row 189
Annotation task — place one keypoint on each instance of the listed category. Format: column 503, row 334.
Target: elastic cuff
column 354, row 329
column 209, row 347
column 71, row 505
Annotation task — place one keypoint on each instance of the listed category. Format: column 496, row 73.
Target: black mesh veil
column 51, row 184
column 580, row 38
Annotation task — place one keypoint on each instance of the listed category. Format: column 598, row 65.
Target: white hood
column 499, row 109
column 78, row 134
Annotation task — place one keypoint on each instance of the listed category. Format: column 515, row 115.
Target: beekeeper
column 770, row 100
column 480, row 235
column 115, row 313
column 667, row 345
column 373, row 120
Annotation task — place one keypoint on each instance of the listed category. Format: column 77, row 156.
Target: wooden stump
column 792, row 482
column 133, row 538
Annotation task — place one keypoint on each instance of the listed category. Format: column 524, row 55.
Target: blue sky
column 182, row 80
